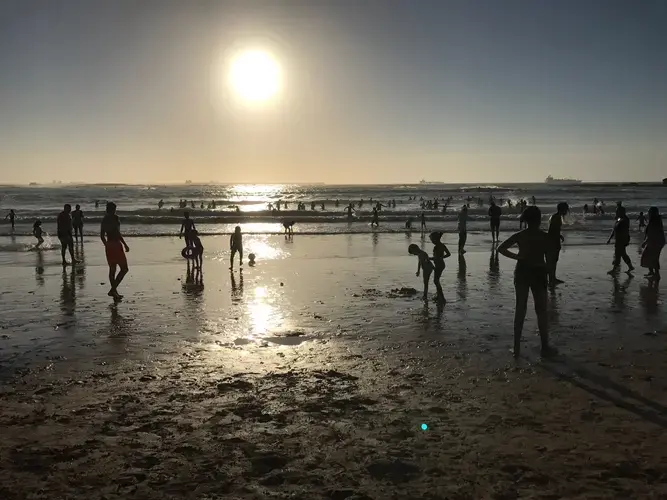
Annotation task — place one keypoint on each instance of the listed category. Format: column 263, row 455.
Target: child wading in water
column 530, row 275
column 440, row 253
column 424, row 264
column 37, row 232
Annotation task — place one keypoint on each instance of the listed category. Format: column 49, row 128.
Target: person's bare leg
column 121, row 274
column 540, row 299
column 427, row 278
column 63, row 250
column 521, row 295
column 241, row 257
column 112, row 280
column 231, row 260
column 438, row 286
column 71, row 250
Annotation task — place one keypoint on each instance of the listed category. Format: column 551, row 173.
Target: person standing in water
column 236, row 245
column 37, row 233
column 64, row 223
column 375, row 222
column 115, row 249
column 463, row 229
column 11, row 216
column 530, row 275
column 187, row 229
column 423, row 223
column 423, row 264
column 654, row 241
column 440, row 253
column 77, row 223
column 555, row 240
column 494, row 217
column 621, row 236
column 642, row 220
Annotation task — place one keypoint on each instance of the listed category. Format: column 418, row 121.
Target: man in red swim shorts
column 115, row 249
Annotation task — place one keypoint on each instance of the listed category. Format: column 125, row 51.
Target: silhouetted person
column 350, row 211
column 97, row 203
column 423, row 264
column 530, row 275
column 236, row 245
column 408, row 224
column 77, row 222
column 375, row 222
column 440, row 253
column 555, row 240
column 198, row 255
column 642, row 220
column 423, row 222
column 11, row 216
column 160, row 204
column 654, row 241
column 115, row 249
column 621, row 236
column 64, row 224
column 37, row 232
column 289, row 227
column 187, row 228
column 494, row 219
column 463, row 229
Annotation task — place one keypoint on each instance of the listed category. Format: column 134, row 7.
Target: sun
column 255, row 76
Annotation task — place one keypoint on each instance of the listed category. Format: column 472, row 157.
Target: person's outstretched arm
column 505, row 246
column 419, row 265
column 447, row 252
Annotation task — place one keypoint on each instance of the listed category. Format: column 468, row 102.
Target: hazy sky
column 375, row 90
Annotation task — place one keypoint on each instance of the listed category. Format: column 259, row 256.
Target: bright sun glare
column 255, row 76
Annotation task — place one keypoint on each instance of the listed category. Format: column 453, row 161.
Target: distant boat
column 32, row 184
column 561, row 182
column 429, row 182
column 188, row 182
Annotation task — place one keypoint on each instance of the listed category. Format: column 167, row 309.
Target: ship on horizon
column 561, row 182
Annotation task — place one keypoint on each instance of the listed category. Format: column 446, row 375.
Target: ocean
column 140, row 216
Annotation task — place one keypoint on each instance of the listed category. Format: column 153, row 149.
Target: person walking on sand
column 64, row 230
column 621, row 236
column 555, row 240
column 37, row 233
column 654, row 241
column 77, row 223
column 463, row 229
column 115, row 249
column 11, row 216
column 236, row 245
column 423, row 264
column 440, row 253
column 530, row 275
column 494, row 218
column 187, row 229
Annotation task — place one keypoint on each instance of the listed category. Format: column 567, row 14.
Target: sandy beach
column 310, row 377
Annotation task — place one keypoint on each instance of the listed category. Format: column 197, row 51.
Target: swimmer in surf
column 463, row 229
column 494, row 218
column 530, row 275
column 115, row 249
column 423, row 264
column 11, row 216
column 236, row 245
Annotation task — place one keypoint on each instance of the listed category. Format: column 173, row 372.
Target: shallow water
column 300, row 291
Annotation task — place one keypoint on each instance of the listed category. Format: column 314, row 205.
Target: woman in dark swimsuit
column 530, row 275
column 440, row 253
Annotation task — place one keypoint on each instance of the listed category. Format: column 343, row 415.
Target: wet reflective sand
column 222, row 383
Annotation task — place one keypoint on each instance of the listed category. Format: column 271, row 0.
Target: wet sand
column 317, row 389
